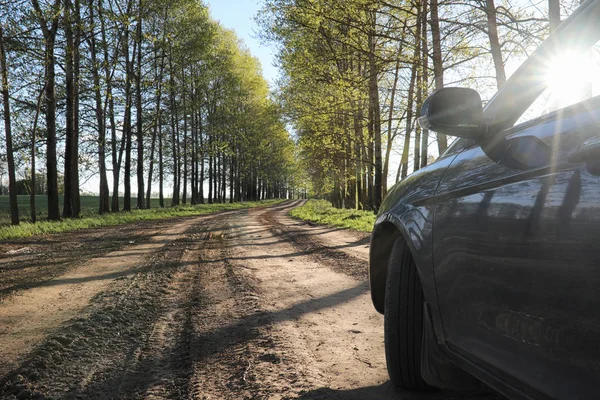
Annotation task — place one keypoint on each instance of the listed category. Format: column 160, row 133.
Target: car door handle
column 588, row 151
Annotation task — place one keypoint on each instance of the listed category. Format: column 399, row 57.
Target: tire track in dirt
column 235, row 356
column 30, row 262
column 76, row 357
column 88, row 357
column 308, row 243
column 27, row 318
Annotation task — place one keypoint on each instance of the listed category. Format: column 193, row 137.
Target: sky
column 238, row 15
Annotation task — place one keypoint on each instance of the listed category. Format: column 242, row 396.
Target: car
column 486, row 263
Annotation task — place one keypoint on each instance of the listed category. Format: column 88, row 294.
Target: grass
column 89, row 207
column 27, row 229
column 321, row 212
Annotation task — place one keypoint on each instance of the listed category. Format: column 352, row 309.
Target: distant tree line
column 356, row 73
column 154, row 91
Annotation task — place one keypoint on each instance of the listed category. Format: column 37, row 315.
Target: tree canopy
column 156, row 91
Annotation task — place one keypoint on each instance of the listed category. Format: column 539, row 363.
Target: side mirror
column 453, row 111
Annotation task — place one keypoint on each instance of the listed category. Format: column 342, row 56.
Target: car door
column 517, row 254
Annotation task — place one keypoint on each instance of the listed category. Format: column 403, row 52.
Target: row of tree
column 356, row 73
column 151, row 90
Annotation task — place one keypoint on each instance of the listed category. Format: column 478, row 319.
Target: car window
column 572, row 78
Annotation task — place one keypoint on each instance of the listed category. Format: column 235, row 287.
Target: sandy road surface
column 242, row 305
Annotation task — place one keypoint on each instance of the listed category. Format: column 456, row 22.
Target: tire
column 403, row 319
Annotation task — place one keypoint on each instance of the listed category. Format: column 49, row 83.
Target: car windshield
column 562, row 63
column 571, row 77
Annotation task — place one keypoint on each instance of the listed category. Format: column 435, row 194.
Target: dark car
column 488, row 260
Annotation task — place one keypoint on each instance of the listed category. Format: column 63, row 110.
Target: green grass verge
column 89, row 207
column 45, row 227
column 321, row 212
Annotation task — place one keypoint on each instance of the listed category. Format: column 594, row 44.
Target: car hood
column 418, row 187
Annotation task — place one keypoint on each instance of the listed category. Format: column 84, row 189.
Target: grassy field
column 89, row 207
column 91, row 219
column 321, row 212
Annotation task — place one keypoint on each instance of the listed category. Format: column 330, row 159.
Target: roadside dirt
column 25, row 263
column 244, row 305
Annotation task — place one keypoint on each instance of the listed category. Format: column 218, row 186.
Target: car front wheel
column 403, row 319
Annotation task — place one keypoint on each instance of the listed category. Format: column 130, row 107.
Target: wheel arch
column 382, row 240
column 388, row 228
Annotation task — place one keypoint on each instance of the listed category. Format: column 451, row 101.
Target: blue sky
column 238, row 15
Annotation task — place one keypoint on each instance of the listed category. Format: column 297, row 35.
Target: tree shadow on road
column 388, row 392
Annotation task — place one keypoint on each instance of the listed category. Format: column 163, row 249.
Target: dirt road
column 241, row 305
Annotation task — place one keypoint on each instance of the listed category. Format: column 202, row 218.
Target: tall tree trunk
column 438, row 66
column 403, row 167
column 151, row 168
column 358, row 155
column 161, row 170
column 68, row 211
column 194, row 160
column 139, row 122
column 12, row 190
column 127, row 121
column 51, row 165
column 418, row 101
column 174, row 122
column 116, row 153
column 375, row 113
column 185, row 136
column 218, row 178
column 157, row 122
column 38, row 109
column 178, row 154
column 71, row 208
column 103, row 206
column 50, row 62
column 554, row 14
column 231, row 175
column 492, row 25
column 224, row 178
column 75, row 197
column 237, row 191
column 201, row 158
column 194, row 144
column 210, row 170
column 390, row 139
column 425, row 67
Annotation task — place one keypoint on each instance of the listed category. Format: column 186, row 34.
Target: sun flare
column 569, row 78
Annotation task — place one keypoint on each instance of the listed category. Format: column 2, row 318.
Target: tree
column 49, row 27
column 554, row 14
column 14, row 208
column 71, row 204
column 139, row 112
column 103, row 206
column 438, row 66
column 496, row 50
